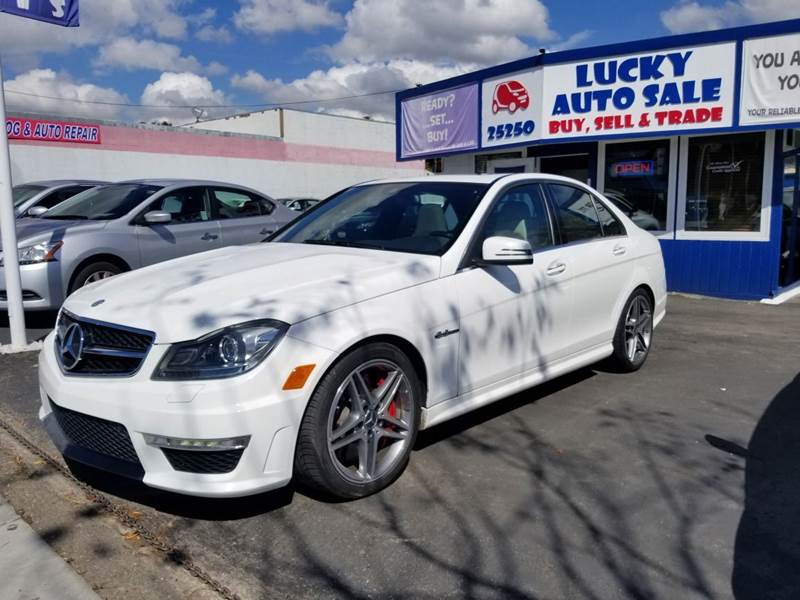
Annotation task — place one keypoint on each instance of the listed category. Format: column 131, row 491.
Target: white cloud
column 272, row 16
column 133, row 55
column 348, row 80
column 690, row 15
column 209, row 33
column 46, row 82
column 181, row 90
column 203, row 18
column 454, row 31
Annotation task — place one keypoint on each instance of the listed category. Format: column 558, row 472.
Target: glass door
column 790, row 231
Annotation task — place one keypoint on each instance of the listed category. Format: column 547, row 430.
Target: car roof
column 488, row 178
column 58, row 182
column 171, row 182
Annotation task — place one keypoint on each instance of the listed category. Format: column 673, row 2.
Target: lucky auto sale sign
column 667, row 90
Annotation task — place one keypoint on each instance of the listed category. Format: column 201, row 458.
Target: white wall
column 277, row 179
column 315, row 129
column 460, row 164
column 260, row 123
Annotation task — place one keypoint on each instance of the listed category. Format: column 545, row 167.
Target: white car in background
column 322, row 354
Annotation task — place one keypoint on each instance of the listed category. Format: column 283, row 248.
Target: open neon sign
column 633, row 168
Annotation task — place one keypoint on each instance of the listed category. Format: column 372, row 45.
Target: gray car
column 46, row 194
column 122, row 226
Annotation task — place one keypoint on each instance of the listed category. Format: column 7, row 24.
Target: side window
column 187, row 205
column 520, row 213
column 58, row 196
column 611, row 224
column 266, row 206
column 236, row 204
column 575, row 212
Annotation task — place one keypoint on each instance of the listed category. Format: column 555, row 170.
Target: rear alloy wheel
column 361, row 423
column 634, row 333
column 94, row 272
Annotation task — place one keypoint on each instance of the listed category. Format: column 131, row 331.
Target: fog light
column 162, row 441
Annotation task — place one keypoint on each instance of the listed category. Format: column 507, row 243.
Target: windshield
column 103, row 203
column 23, row 193
column 420, row 217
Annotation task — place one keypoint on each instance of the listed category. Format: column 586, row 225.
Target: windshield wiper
column 65, row 217
column 345, row 244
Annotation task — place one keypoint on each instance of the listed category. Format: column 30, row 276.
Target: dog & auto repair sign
column 511, row 108
column 666, row 90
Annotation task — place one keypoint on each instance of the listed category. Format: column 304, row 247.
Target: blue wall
column 740, row 270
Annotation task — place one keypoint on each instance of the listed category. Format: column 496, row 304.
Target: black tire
column 81, row 277
column 622, row 359
column 314, row 464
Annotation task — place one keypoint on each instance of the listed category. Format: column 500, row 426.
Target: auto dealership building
column 694, row 136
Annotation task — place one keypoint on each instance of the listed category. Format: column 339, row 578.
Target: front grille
column 203, row 461
column 108, row 349
column 101, row 436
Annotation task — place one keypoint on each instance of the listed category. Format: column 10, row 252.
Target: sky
column 233, row 56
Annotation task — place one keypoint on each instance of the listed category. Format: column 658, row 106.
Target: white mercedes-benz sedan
column 389, row 308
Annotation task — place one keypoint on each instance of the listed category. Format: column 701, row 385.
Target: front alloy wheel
column 360, row 424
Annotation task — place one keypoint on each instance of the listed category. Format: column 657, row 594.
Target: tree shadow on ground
column 767, row 552
column 453, row 427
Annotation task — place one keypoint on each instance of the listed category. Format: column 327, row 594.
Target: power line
column 168, row 106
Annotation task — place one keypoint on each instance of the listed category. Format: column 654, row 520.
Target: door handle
column 208, row 236
column 619, row 250
column 556, row 268
column 266, row 231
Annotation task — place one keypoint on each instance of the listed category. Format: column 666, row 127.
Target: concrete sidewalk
column 28, row 566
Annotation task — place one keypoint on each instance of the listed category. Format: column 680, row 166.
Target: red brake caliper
column 392, row 406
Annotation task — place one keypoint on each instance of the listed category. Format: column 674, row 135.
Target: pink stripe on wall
column 131, row 139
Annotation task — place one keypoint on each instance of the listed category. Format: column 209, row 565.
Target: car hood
column 188, row 297
column 36, row 230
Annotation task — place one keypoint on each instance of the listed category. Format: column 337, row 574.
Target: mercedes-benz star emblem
column 72, row 347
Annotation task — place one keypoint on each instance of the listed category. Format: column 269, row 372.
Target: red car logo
column 510, row 96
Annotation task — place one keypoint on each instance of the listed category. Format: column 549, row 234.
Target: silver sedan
column 123, row 226
column 47, row 194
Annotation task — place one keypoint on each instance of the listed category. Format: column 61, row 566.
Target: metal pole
column 8, row 232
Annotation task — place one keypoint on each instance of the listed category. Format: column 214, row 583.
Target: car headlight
column 224, row 353
column 37, row 253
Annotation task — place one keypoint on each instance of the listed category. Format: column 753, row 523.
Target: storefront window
column 637, row 181
column 724, row 183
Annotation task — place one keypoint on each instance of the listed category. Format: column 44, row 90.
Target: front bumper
column 252, row 405
column 42, row 286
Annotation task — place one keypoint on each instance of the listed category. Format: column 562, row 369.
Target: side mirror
column 500, row 250
column 155, row 217
column 37, row 211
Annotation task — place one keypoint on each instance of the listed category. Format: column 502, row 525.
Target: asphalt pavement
column 679, row 481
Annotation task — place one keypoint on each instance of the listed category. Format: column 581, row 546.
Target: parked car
column 123, row 226
column 298, row 204
column 320, row 355
column 46, row 194
column 510, row 96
